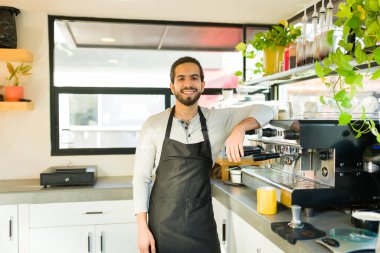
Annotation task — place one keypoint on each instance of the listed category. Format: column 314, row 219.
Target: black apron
column 181, row 217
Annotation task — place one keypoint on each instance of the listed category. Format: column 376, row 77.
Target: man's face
column 187, row 86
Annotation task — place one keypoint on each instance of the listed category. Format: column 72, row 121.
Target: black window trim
column 56, row 90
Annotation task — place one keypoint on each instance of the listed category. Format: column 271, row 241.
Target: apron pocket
column 199, row 217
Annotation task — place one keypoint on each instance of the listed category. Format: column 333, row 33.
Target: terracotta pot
column 272, row 59
column 13, row 93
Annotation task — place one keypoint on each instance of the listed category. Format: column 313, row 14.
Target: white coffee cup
column 235, row 176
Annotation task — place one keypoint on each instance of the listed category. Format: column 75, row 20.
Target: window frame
column 55, row 91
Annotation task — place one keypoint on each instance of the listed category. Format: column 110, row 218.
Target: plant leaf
column 373, row 27
column 359, row 54
column 322, row 100
column 346, row 103
column 329, row 37
column 344, row 118
column 376, row 55
column 241, row 47
column 319, row 70
column 340, row 95
column 354, row 22
column 238, row 73
column 375, row 75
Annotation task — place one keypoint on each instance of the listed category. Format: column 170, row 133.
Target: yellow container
column 272, row 59
column 266, row 200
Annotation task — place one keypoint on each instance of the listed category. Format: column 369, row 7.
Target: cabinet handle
column 10, row 229
column 101, row 242
column 224, row 231
column 89, row 242
column 95, row 212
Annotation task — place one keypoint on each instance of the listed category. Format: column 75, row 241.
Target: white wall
column 25, row 136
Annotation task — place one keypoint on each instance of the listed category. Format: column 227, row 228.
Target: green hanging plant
column 362, row 19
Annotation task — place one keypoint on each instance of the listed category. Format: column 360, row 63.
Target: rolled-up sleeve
column 262, row 113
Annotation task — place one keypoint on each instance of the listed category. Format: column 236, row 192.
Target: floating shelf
column 15, row 55
column 299, row 74
column 16, row 106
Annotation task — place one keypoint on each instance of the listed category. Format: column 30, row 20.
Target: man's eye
column 195, row 78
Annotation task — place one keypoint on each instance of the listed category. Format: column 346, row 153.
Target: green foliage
column 15, row 73
column 278, row 35
column 353, row 16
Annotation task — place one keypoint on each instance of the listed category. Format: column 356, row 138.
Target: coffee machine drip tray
column 282, row 179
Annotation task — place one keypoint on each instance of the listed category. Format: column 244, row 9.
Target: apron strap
column 169, row 125
column 203, row 127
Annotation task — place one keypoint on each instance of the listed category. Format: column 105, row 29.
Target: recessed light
column 113, row 61
column 109, row 40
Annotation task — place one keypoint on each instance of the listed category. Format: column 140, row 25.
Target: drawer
column 81, row 213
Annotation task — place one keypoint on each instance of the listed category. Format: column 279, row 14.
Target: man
column 181, row 144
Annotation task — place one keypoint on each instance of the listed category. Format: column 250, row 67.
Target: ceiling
column 101, row 34
column 81, row 33
column 226, row 11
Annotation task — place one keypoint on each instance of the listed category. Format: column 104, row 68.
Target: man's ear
column 203, row 84
column 172, row 87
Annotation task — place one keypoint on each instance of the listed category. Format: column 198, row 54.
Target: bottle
column 301, row 43
column 286, row 59
column 315, row 34
column 292, row 56
column 322, row 33
column 329, row 26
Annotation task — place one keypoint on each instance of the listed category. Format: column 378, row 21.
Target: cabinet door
column 8, row 229
column 246, row 239
column 73, row 239
column 116, row 238
column 221, row 214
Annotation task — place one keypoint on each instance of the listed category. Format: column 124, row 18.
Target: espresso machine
column 312, row 163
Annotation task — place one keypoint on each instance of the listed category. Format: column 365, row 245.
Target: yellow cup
column 266, row 200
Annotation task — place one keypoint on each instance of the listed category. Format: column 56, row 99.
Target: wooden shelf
column 16, row 106
column 15, row 55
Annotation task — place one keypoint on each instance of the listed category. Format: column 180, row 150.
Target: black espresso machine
column 312, row 163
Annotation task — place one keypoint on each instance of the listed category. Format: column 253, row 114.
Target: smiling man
column 180, row 146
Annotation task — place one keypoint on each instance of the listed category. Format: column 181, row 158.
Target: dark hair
column 182, row 60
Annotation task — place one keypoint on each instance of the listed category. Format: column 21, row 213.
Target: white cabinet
column 240, row 237
column 9, row 229
column 221, row 214
column 245, row 239
column 83, row 227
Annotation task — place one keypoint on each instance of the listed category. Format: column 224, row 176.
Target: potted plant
column 13, row 91
column 273, row 43
column 358, row 19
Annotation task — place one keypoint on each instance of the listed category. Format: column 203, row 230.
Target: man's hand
column 145, row 240
column 234, row 142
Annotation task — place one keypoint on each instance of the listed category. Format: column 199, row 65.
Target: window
column 107, row 76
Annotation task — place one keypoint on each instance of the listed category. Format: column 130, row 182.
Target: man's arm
column 234, row 142
column 142, row 179
column 256, row 117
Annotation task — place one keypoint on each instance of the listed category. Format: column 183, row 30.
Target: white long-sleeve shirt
column 220, row 123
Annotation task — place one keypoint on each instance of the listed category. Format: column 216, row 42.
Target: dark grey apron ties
column 180, row 209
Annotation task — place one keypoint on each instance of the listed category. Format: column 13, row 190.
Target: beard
column 187, row 101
